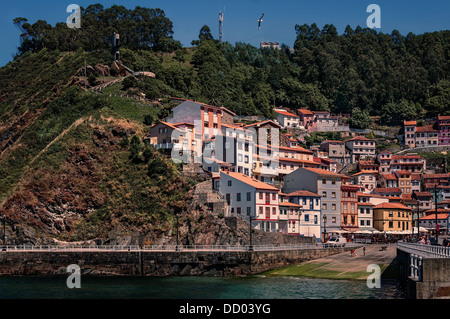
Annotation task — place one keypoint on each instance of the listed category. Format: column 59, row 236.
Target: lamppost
column 300, row 221
column 250, row 248
column 418, row 221
column 436, row 209
column 178, row 231
column 324, row 227
column 4, row 233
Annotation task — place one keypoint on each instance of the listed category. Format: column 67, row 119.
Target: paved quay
column 344, row 265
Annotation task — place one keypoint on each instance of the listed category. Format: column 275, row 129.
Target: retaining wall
column 144, row 263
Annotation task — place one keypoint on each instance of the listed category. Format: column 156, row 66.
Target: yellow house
column 391, row 217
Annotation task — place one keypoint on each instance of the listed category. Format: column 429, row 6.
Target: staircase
column 209, row 198
column 348, row 168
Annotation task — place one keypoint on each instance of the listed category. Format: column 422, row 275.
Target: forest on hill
column 361, row 72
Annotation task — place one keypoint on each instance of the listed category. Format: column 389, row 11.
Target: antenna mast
column 220, row 25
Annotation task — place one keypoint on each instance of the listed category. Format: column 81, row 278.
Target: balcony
column 165, row 146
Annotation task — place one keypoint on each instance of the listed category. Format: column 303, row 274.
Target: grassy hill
column 66, row 166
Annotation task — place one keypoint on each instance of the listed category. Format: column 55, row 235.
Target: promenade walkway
column 344, row 265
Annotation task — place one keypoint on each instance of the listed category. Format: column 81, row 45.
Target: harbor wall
column 156, row 264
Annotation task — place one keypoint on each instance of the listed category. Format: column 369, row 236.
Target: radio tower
column 220, row 26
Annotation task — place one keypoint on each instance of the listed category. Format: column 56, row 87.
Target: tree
column 360, row 119
column 135, row 149
column 395, row 113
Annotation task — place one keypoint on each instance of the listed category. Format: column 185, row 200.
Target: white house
column 287, row 119
column 365, row 211
column 311, row 217
column 247, row 197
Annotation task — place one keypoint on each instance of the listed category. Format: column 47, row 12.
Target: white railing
column 427, row 251
column 135, row 248
column 416, row 267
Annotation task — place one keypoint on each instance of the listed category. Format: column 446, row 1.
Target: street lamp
column 324, row 227
column 300, row 220
column 4, row 233
column 250, row 248
column 436, row 209
column 178, row 230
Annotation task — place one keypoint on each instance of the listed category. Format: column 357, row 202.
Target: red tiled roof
column 305, row 112
column 322, row 172
column 423, row 194
column 392, row 206
column 297, row 149
column 359, row 138
column 433, row 216
column 172, row 126
column 303, row 193
column 426, row 129
column 235, row 126
column 289, row 204
column 294, row 160
column 388, row 190
column 389, row 176
column 447, row 175
column 285, row 113
column 332, row 141
column 411, row 156
column 264, row 122
column 251, row 181
column 365, row 204
column 409, row 123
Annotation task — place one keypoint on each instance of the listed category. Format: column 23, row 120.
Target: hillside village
column 264, row 175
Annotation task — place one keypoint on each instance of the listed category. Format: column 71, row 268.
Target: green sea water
column 254, row 287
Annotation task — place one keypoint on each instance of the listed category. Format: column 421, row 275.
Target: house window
column 249, row 197
column 238, row 210
column 249, row 210
column 238, row 197
column 229, row 183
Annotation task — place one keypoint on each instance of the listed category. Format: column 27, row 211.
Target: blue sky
column 241, row 17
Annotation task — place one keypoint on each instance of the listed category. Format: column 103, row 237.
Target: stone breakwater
column 156, row 264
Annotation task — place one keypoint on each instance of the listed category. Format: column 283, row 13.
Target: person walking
column 364, row 250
